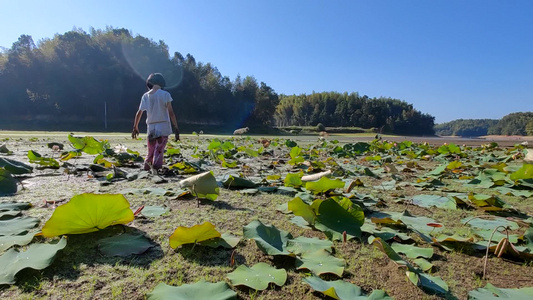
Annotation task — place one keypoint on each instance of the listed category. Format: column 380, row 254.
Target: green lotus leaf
column 350, row 206
column 387, row 249
column 36, row 158
column 412, row 251
column 290, row 143
column 124, row 245
column 497, row 236
column 432, row 284
column 490, row 224
column 369, row 172
column 253, row 153
column 88, row 144
column 286, row 190
column 228, row 164
column 324, row 184
column 168, row 152
column 8, row 241
column 333, row 220
column 185, row 167
column 192, row 235
column 227, row 146
column 201, row 290
column 18, row 225
column 273, row 177
column 9, row 214
column 15, row 167
column 283, row 208
column 215, row 144
column 423, row 264
column 454, row 165
column 302, row 209
column 293, row 180
column 357, row 148
column 528, row 237
column 428, row 184
column 234, row 181
column 438, row 170
column 450, row 242
column 384, row 232
column 153, row 211
column 69, row 155
column 373, row 158
column 17, row 206
column 417, row 277
column 87, row 213
column 296, row 156
column 524, row 183
column 449, row 149
column 386, row 185
column 482, row 181
column 490, row 292
column 299, row 221
column 269, row 239
column 321, row 262
column 8, row 184
column 453, row 239
column 203, row 185
column 3, row 149
column 487, row 202
column 303, row 244
column 513, row 192
column 434, row 201
column 226, row 240
column 419, row 224
column 258, row 277
column 37, row 256
column 342, row 290
column 525, row 172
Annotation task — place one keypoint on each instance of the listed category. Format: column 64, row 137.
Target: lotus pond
column 263, row 218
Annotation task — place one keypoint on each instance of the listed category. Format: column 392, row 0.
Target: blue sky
column 451, row 59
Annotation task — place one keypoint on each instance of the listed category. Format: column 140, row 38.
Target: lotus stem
column 488, row 247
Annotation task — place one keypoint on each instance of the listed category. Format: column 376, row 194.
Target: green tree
column 512, row 124
column 529, row 128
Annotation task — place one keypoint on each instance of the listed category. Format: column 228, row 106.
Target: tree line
column 82, row 80
column 520, row 123
column 352, row 110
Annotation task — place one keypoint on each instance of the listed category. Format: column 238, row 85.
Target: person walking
column 159, row 114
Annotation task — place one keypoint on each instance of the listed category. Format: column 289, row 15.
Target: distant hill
column 513, row 124
column 465, row 127
column 520, row 123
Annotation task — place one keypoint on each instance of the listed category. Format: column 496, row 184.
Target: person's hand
column 135, row 133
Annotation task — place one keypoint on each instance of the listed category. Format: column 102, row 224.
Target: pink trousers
column 156, row 151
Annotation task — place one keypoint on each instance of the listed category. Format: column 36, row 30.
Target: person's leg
column 150, row 157
column 160, row 151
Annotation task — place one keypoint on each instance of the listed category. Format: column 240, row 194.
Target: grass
column 81, row 270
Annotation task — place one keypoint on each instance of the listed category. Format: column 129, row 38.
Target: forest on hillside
column 82, row 80
column 520, row 123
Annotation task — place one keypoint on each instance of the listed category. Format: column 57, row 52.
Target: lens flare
column 143, row 60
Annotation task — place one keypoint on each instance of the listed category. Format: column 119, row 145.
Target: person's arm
column 135, row 131
column 174, row 122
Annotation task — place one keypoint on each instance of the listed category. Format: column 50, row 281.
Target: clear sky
column 449, row 58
